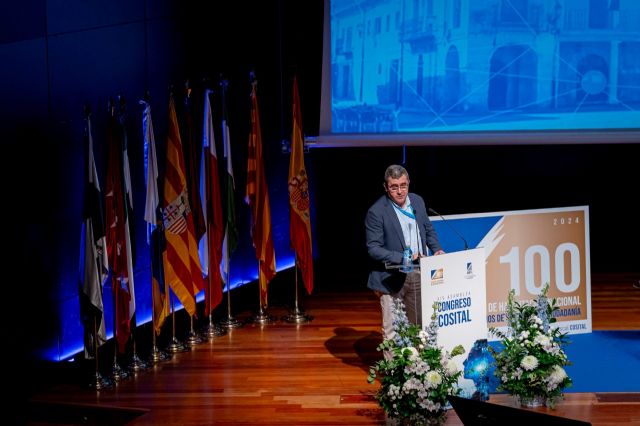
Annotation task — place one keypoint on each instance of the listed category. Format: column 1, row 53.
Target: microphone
column 432, row 211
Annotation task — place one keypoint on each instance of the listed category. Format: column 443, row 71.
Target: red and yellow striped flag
column 181, row 259
column 299, row 205
column 257, row 196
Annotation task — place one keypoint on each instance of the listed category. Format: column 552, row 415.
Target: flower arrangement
column 531, row 364
column 416, row 375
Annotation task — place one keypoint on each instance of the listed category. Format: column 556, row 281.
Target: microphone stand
column 432, row 211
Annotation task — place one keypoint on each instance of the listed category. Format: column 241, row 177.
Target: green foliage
column 416, row 375
column 532, row 359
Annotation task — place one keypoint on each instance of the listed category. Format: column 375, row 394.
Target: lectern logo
column 437, row 276
column 470, row 273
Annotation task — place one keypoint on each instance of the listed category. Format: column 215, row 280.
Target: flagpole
column 175, row 345
column 299, row 209
column 296, row 315
column 230, row 237
column 230, row 321
column 193, row 338
column 93, row 285
column 117, row 372
column 212, row 330
column 136, row 363
column 156, row 354
column 98, row 381
column 262, row 316
column 257, row 197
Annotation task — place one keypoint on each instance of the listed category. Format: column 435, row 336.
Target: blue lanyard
column 404, row 212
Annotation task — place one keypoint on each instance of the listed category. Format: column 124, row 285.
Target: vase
column 532, row 401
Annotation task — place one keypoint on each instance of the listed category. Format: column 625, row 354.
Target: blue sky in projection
column 455, row 65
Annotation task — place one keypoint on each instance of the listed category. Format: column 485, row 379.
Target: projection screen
column 445, row 72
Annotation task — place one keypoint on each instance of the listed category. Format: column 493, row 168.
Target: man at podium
column 397, row 225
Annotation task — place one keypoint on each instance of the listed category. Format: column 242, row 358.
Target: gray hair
column 395, row 171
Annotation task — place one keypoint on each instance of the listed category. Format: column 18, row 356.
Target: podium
column 455, row 283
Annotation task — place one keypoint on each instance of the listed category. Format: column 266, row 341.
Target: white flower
column 432, row 379
column 430, row 405
column 554, row 349
column 414, row 353
column 393, row 391
column 529, row 362
column 557, row 375
column 416, row 368
column 518, row 373
column 450, row 368
column 542, row 340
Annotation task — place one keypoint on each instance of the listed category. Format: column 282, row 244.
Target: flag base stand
column 193, row 339
column 262, row 318
column 212, row 331
column 157, row 355
column 297, row 316
column 137, row 364
column 118, row 373
column 98, row 382
column 176, row 346
column 231, row 322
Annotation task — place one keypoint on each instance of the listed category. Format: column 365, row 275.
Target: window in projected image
column 483, row 65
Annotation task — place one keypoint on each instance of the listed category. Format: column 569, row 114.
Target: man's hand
column 439, row 252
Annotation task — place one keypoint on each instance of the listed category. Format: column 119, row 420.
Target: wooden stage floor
column 307, row 374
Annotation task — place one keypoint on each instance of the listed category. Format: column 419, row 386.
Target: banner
column 526, row 249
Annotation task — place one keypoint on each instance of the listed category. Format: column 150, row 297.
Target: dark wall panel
column 65, row 16
column 23, row 20
column 23, row 81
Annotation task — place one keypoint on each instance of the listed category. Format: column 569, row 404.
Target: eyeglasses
column 398, row 188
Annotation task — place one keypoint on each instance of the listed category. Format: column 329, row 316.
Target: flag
column 117, row 241
column 230, row 232
column 155, row 236
column 128, row 214
column 299, row 204
column 191, row 162
column 211, row 243
column 94, row 265
column 181, row 259
column 257, row 196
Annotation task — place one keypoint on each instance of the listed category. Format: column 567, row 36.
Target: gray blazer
column 385, row 241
